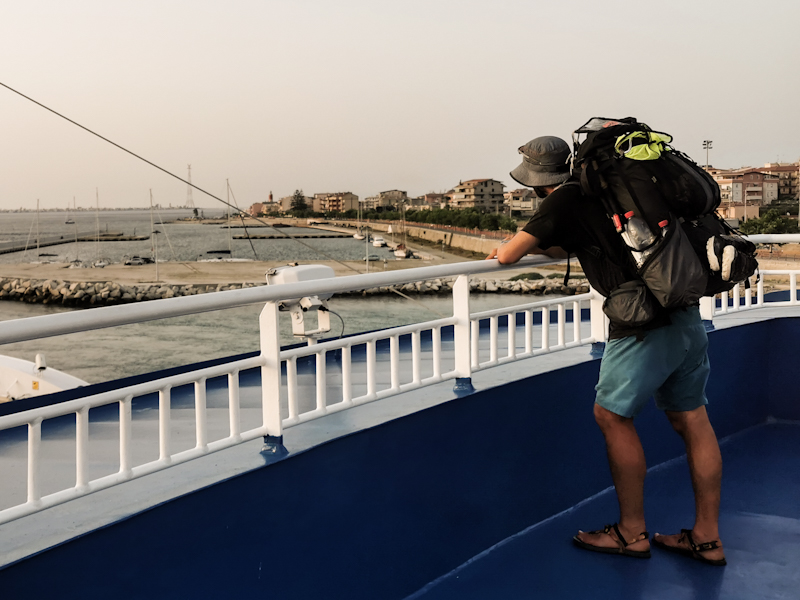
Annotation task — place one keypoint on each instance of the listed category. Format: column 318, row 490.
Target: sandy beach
column 184, row 273
column 253, row 272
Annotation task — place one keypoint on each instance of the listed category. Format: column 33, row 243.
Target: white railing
column 280, row 401
column 283, row 403
column 742, row 298
column 553, row 333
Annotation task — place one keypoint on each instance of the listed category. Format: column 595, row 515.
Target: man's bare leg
column 705, row 466
column 628, row 469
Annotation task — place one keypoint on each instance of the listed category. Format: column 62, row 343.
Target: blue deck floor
column 759, row 524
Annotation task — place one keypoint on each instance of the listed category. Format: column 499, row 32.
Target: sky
column 371, row 95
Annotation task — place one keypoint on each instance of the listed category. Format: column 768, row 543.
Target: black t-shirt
column 579, row 224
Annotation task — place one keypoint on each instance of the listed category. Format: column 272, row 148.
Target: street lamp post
column 366, row 236
column 707, row 147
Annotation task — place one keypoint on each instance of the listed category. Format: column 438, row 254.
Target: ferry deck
column 422, row 491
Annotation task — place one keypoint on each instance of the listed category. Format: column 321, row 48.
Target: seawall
column 108, row 293
column 481, row 244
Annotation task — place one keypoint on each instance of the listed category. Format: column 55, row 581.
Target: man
column 664, row 358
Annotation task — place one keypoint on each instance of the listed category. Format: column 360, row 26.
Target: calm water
column 118, row 352
column 132, row 349
column 176, row 242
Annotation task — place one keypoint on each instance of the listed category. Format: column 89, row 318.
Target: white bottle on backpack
column 639, row 238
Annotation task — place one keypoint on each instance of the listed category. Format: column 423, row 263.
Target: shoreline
column 87, row 294
column 56, row 283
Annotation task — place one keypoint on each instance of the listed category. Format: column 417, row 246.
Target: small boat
column 136, row 260
column 402, row 252
column 220, row 259
column 359, row 235
column 25, row 379
column 378, row 242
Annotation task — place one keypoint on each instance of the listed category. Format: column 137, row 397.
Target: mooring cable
column 181, row 179
column 241, row 212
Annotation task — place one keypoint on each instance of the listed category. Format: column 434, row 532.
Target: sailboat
column 402, row 251
column 70, row 220
column 228, row 197
column 358, row 235
column 229, row 251
column 98, row 263
column 39, row 254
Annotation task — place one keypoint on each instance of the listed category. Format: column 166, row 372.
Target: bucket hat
column 545, row 161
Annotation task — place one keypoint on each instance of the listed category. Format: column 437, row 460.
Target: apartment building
column 788, row 177
column 314, row 204
column 417, row 203
column 434, row 200
column 738, row 211
column 256, row 209
column 746, row 186
column 522, row 202
column 335, row 202
column 486, row 194
column 264, row 208
column 388, row 200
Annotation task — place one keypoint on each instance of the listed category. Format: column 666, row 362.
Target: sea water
column 134, row 349
column 176, row 240
column 107, row 354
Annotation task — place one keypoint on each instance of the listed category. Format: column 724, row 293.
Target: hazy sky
column 370, row 95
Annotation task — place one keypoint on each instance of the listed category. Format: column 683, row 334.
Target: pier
column 302, row 236
column 55, row 240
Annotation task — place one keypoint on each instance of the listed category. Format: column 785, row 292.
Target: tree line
column 469, row 218
column 771, row 221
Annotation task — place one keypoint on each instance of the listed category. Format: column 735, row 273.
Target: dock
column 302, row 236
column 56, row 240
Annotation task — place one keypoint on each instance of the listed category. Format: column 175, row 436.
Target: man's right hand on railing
column 510, row 251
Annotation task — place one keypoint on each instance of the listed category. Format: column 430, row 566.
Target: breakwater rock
column 490, row 286
column 99, row 293
column 108, row 293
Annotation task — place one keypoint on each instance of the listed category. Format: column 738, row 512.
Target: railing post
column 271, row 379
column 461, row 337
column 599, row 324
column 707, row 306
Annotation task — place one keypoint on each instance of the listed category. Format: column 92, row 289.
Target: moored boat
column 25, row 379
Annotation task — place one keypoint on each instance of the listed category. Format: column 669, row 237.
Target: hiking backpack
column 663, row 205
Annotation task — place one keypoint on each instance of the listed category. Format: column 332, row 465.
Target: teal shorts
column 670, row 364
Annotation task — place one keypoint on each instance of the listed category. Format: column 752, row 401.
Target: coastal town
column 745, row 193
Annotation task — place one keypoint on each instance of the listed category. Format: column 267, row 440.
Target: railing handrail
column 31, row 328
column 469, row 356
column 774, row 238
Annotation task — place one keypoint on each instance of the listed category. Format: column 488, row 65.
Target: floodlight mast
column 707, row 147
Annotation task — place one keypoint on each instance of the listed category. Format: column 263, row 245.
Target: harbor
column 46, row 241
column 167, row 447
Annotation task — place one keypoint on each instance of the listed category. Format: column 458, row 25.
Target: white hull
column 25, row 379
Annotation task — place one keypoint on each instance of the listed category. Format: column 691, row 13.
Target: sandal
column 622, row 545
column 694, row 550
